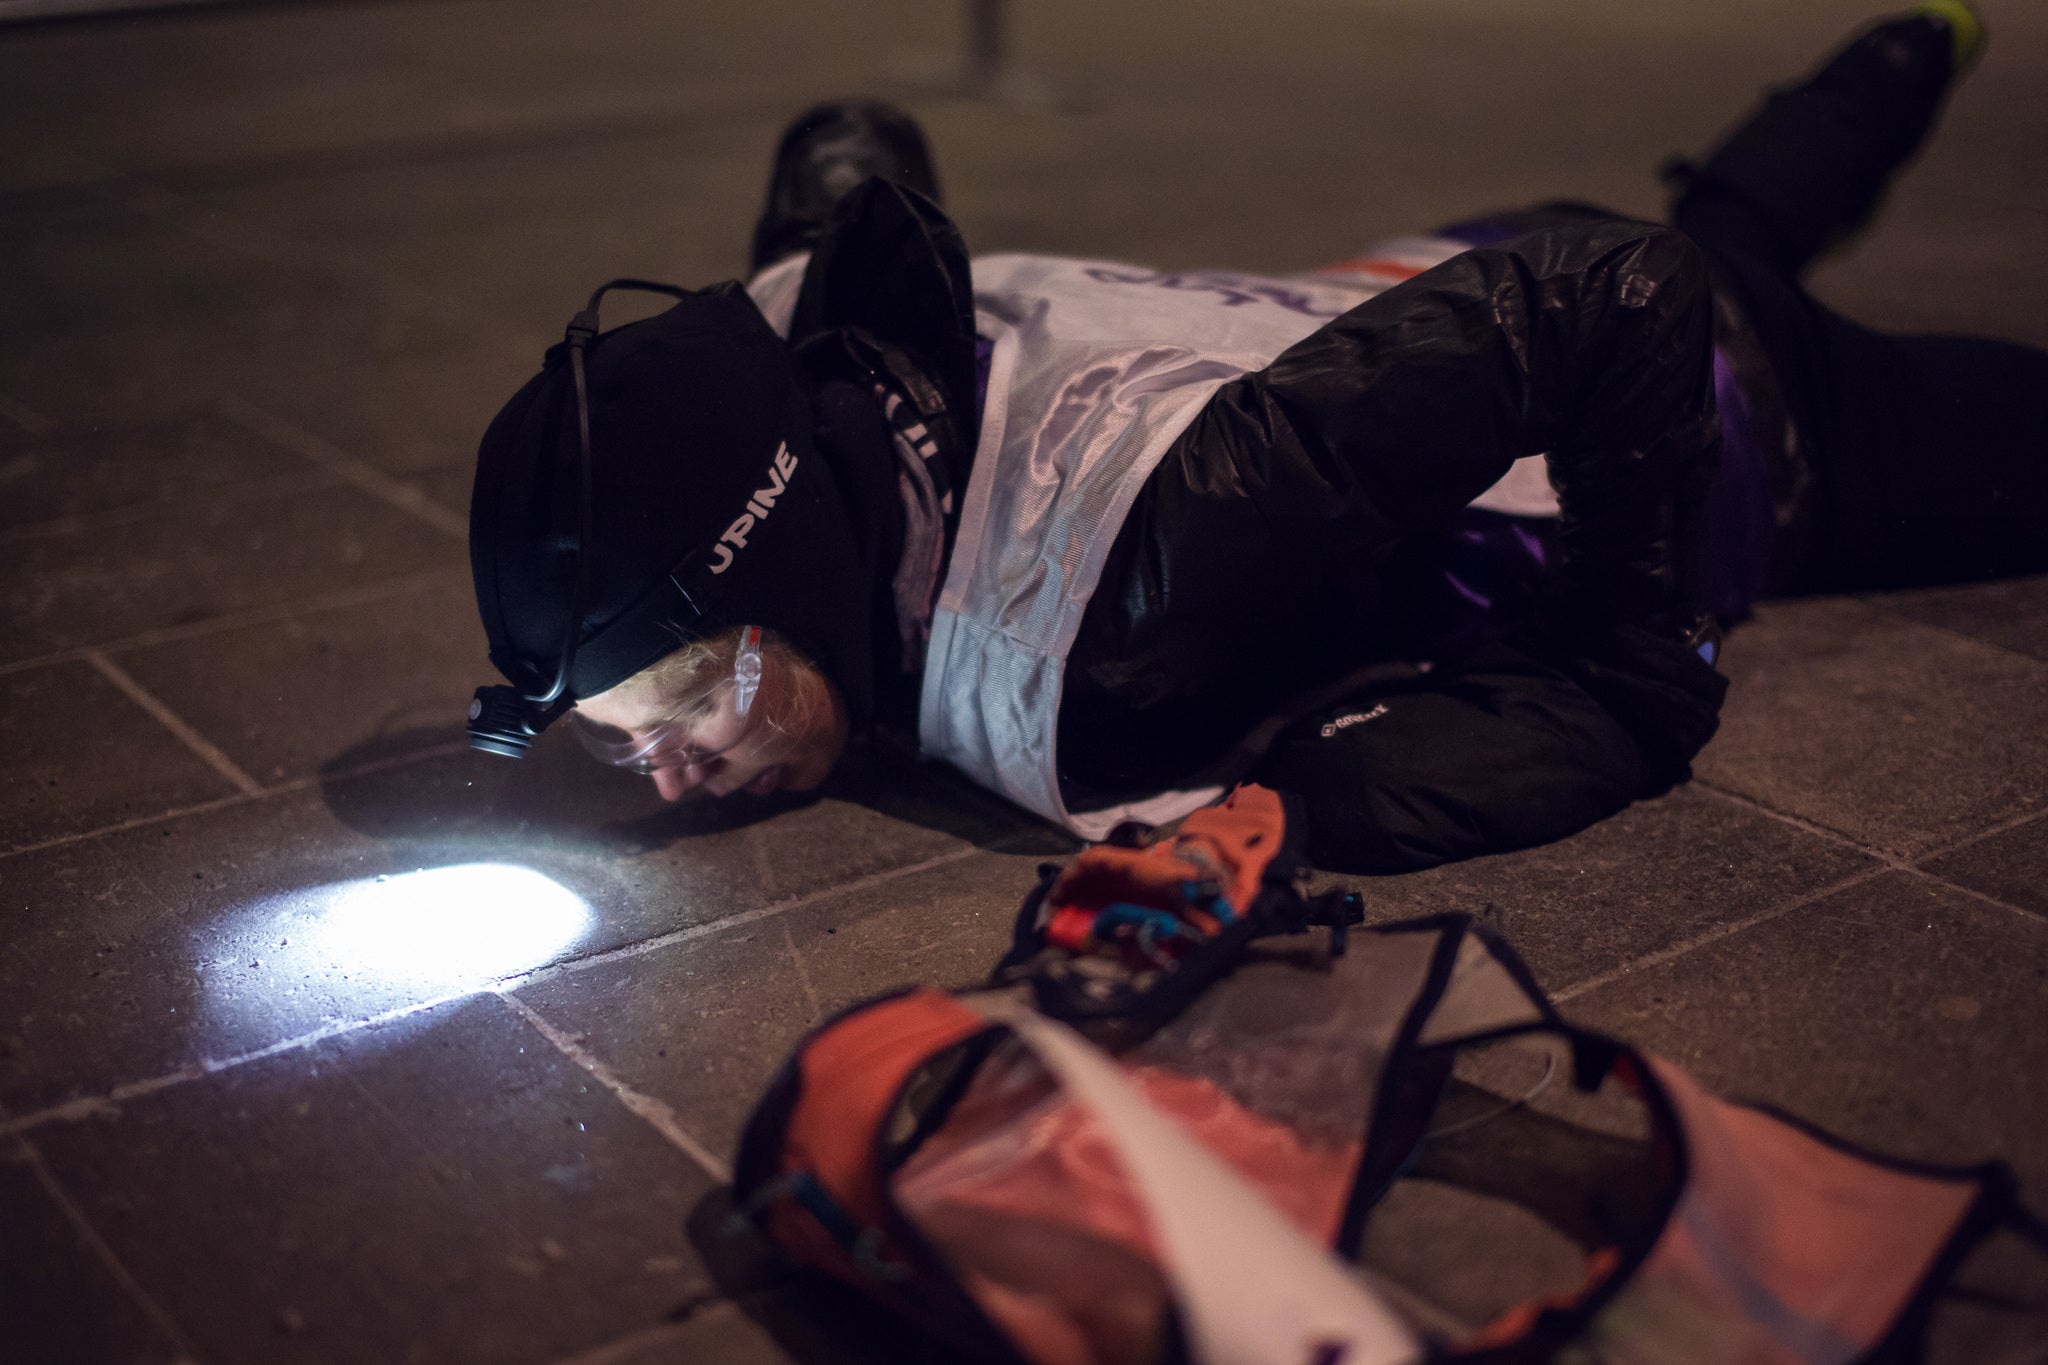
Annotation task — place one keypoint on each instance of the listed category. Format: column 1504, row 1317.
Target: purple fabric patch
column 1739, row 522
column 1483, row 571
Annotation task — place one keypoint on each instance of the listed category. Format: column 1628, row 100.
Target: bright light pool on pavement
column 447, row 927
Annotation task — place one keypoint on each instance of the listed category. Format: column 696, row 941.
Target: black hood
column 713, row 507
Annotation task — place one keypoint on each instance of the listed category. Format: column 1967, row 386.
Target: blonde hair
column 684, row 686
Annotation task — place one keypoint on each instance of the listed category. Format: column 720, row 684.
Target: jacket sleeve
column 1590, row 342
column 1503, row 753
column 1262, row 551
column 1500, row 750
column 1259, row 547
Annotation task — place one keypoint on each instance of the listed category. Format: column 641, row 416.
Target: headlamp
column 506, row 720
column 503, row 720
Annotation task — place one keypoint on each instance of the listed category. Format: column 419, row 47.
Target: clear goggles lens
column 721, row 721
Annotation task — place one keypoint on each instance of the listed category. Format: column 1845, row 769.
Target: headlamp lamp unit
column 506, row 720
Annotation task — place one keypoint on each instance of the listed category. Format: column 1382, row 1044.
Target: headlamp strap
column 506, row 719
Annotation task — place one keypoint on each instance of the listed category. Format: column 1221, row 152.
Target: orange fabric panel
column 1244, row 831
column 1022, row 1189
column 1232, row 843
column 1782, row 1247
column 1372, row 265
column 1056, row 1161
column 1517, row 1322
column 850, row 1075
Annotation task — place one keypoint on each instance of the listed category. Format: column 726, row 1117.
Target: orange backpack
column 1397, row 1154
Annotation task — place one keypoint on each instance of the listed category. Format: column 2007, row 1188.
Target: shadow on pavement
column 814, row 1318
column 413, row 784
column 394, row 788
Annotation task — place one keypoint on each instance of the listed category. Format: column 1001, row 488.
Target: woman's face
column 743, row 757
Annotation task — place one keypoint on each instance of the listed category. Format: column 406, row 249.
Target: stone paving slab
column 448, row 486
column 151, row 307
column 1901, row 736
column 443, row 69
column 799, row 1316
column 703, row 1024
column 215, row 935
column 109, row 474
column 59, row 1300
column 1900, row 1013
column 1644, row 882
column 85, row 587
column 79, row 755
column 507, row 242
column 445, row 1187
column 282, row 697
column 2012, row 615
column 2011, row 866
column 416, row 408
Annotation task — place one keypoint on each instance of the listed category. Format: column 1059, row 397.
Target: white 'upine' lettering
column 758, row 507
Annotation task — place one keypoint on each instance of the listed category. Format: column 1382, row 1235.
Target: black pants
column 1930, row 457
column 1931, row 452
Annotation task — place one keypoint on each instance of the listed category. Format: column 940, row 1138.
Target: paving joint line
column 237, row 236
column 690, row 933
column 325, row 454
column 1952, row 632
column 103, row 1251
column 1678, row 950
column 1911, row 867
column 150, row 196
column 1798, row 822
column 255, row 616
column 285, row 788
column 803, row 976
column 187, row 734
column 85, row 1107
column 93, row 1106
column 127, row 514
column 2005, row 826
column 2031, row 916
column 656, row 1114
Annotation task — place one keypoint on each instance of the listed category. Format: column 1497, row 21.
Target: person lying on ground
column 1439, row 540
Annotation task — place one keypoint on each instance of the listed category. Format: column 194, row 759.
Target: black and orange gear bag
column 1399, row 1154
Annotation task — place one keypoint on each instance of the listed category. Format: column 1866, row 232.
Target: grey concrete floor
column 264, row 275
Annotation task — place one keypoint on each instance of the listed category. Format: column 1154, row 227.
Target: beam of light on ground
column 444, row 928
column 333, row 954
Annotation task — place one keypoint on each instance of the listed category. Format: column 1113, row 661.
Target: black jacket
column 1269, row 557
column 1270, row 564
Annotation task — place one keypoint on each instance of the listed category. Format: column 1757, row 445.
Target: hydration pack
column 1180, row 1127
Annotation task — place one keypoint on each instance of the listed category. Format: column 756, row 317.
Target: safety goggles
column 677, row 744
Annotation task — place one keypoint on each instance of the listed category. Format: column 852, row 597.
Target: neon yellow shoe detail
column 1965, row 29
